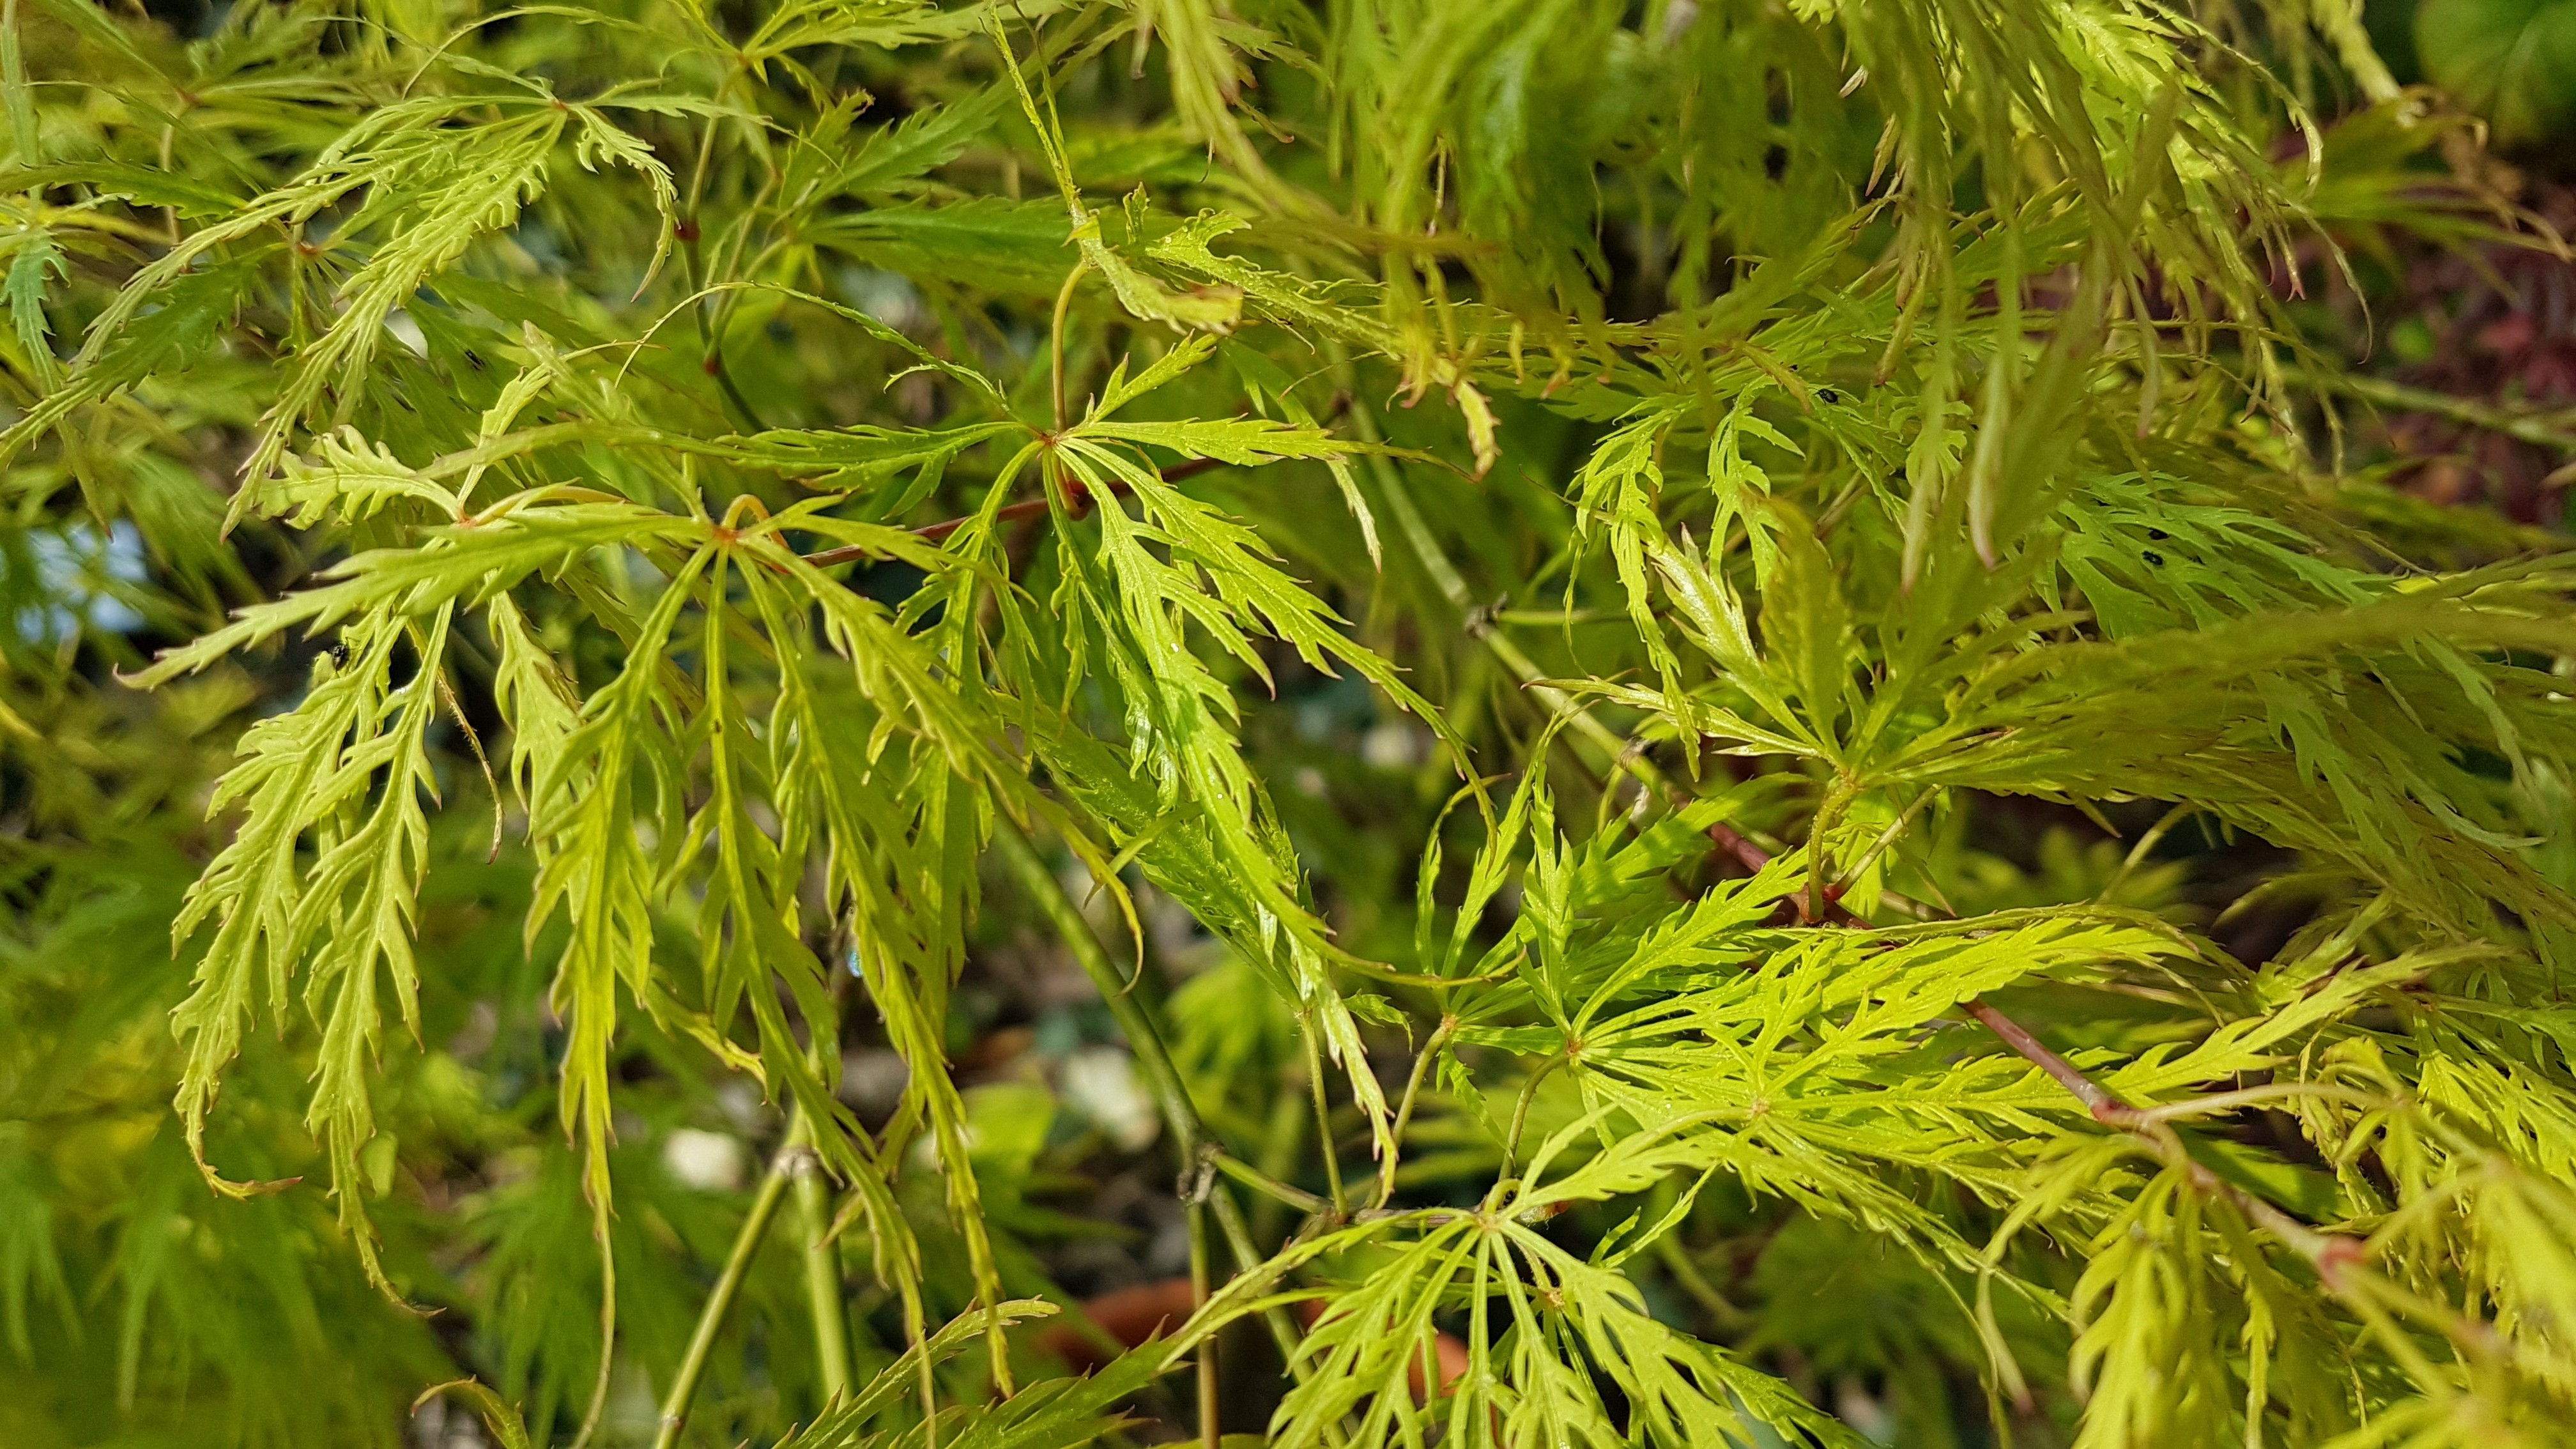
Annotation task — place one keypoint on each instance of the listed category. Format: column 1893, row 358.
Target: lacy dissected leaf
column 1878, row 817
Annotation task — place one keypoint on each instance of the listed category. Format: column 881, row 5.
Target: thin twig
column 823, row 1279
column 1404, row 1109
column 1324, row 1119
column 1211, row 1409
column 1521, row 1108
column 1039, row 507
column 1886, row 838
column 2138, row 853
column 1162, row 1078
column 1263, row 1183
column 1668, row 1250
column 1055, row 341
column 2553, row 428
column 2099, row 1100
column 597, row 1412
column 1033, row 507
column 1007, row 513
column 2329, row 1252
column 755, row 1225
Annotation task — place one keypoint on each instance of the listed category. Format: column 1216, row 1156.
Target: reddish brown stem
column 2332, row 1254
column 1007, row 513
column 1752, row 856
column 2106, row 1107
column 934, row 532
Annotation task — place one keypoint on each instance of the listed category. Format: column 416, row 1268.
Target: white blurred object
column 1391, row 745
column 889, row 297
column 438, row 1425
column 707, row 1161
column 1679, row 19
column 873, row 1080
column 1100, row 1084
column 1863, row 1412
column 407, row 332
column 1098, row 906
